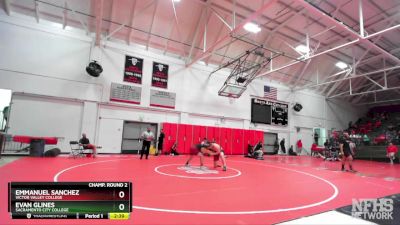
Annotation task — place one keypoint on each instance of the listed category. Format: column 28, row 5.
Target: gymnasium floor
column 275, row 190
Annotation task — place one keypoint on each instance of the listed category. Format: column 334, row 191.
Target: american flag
column 270, row 92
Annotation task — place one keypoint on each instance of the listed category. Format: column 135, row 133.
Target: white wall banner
column 125, row 93
column 162, row 99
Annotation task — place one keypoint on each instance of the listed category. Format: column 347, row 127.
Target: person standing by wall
column 299, row 147
column 276, row 146
column 160, row 142
column 391, row 151
column 282, row 144
column 147, row 138
column 316, row 137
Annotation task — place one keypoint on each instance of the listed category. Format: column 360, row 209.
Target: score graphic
column 65, row 200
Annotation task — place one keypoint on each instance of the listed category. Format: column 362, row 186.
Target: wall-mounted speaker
column 297, row 107
column 94, row 69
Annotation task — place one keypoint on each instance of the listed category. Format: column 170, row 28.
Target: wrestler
column 199, row 150
column 218, row 153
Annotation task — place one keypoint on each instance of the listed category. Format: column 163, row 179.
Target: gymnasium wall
column 46, row 66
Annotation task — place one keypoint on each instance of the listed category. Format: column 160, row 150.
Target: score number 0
column 121, row 194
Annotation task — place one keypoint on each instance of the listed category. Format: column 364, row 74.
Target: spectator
column 352, row 147
column 350, row 124
column 282, row 144
column 316, row 137
column 369, row 125
column 366, row 139
column 276, row 146
column 84, row 141
column 257, row 152
column 160, row 142
column 378, row 123
column 6, row 112
column 326, row 144
column 291, row 152
column 299, row 146
column 391, row 152
column 315, row 151
column 174, row 149
column 249, row 151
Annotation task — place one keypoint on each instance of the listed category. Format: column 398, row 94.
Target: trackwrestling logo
column 197, row 170
column 373, row 209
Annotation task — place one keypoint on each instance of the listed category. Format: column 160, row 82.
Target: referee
column 147, row 137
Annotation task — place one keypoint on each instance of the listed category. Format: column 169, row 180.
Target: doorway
column 5, row 99
column 306, row 137
column 132, row 131
column 321, row 134
column 269, row 142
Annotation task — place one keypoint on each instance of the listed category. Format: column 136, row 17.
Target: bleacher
column 376, row 153
column 379, row 134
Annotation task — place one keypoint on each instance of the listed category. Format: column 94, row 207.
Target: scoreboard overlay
column 70, row 200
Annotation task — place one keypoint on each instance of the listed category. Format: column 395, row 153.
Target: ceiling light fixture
column 302, row 49
column 341, row 65
column 252, row 27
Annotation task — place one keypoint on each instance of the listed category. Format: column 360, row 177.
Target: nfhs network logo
column 373, row 209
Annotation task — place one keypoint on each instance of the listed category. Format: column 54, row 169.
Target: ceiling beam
column 380, row 80
column 379, row 102
column 7, row 7
column 383, row 12
column 202, row 17
column 337, row 24
column 336, row 84
column 356, row 63
column 84, row 25
column 218, row 35
column 368, row 78
column 99, row 20
column 223, row 20
column 112, row 13
column 169, row 36
column 65, row 15
column 134, row 15
column 37, row 13
column 131, row 16
column 253, row 16
column 114, row 31
column 366, row 92
column 151, row 25
column 312, row 56
column 312, row 9
column 356, row 22
column 347, row 78
column 351, row 71
column 180, row 36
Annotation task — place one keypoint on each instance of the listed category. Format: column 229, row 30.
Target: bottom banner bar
column 65, row 216
column 43, row 216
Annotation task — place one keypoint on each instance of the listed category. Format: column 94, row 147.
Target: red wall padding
column 233, row 141
column 170, row 131
column 185, row 134
column 237, row 142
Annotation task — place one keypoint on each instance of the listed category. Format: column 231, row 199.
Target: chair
column 76, row 149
